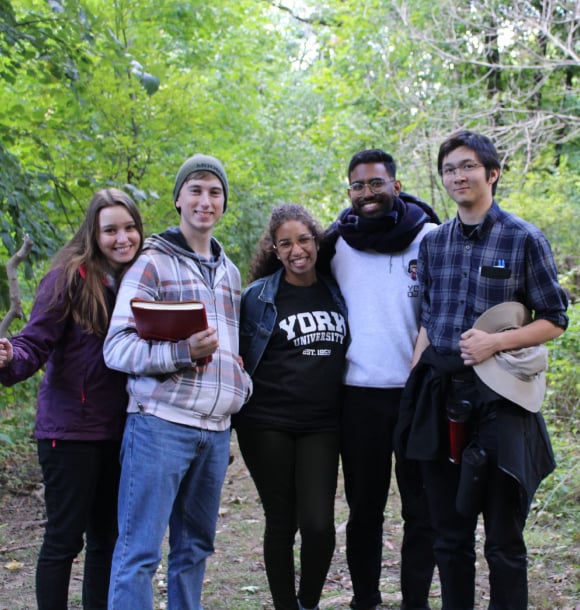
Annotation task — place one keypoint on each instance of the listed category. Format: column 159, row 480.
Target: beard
column 374, row 206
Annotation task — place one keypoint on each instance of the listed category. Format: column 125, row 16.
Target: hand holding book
column 176, row 321
column 202, row 345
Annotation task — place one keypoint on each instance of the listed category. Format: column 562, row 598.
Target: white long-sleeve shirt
column 382, row 296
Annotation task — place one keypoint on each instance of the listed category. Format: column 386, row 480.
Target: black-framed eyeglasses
column 376, row 185
column 285, row 245
column 464, row 168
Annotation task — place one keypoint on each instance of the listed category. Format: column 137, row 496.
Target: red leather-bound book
column 169, row 320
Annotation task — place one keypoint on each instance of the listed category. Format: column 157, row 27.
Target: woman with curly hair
column 293, row 337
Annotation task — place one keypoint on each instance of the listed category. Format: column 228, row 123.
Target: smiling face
column 118, row 235
column 297, row 249
column 201, row 204
column 366, row 202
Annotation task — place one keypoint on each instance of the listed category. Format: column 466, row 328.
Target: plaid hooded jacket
column 162, row 380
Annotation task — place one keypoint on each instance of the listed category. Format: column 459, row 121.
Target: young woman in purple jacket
column 81, row 403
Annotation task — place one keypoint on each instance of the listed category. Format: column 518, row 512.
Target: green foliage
column 38, row 57
column 559, row 495
column 17, row 412
column 547, row 195
column 563, row 377
column 120, row 93
column 18, row 210
column 558, row 498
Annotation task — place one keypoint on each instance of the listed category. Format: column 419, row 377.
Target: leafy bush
column 563, row 377
column 548, row 197
column 559, row 495
column 17, row 412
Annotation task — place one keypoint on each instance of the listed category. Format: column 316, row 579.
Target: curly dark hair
column 265, row 262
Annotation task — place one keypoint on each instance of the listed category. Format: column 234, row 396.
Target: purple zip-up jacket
column 79, row 397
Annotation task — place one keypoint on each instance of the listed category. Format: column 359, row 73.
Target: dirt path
column 235, row 578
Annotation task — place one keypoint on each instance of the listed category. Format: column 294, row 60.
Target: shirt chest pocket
column 494, row 285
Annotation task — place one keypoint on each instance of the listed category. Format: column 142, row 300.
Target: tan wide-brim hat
column 518, row 375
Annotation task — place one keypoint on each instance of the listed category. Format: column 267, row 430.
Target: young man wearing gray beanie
column 176, row 444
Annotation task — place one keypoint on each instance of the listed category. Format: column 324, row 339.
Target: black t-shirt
column 297, row 383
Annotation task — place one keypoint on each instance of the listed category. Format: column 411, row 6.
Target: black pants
column 81, row 481
column 504, row 520
column 368, row 421
column 295, row 475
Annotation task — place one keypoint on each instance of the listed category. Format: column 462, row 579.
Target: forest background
column 119, row 93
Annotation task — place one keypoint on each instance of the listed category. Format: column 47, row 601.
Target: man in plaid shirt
column 481, row 258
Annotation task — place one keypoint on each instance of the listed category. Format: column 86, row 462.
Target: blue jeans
column 170, row 475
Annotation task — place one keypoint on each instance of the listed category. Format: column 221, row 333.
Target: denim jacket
column 258, row 315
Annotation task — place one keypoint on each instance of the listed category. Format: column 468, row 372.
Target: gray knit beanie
column 197, row 163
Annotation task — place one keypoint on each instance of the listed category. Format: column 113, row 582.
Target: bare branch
column 457, row 27
column 15, row 310
column 536, row 46
column 294, row 15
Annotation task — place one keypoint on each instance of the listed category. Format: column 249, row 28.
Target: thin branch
column 15, row 310
column 19, row 547
column 296, row 17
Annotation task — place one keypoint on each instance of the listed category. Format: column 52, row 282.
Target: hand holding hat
column 518, row 375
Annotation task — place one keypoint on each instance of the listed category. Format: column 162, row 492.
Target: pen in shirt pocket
column 497, row 271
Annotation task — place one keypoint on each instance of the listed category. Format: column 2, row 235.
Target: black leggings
column 295, row 475
column 81, row 482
